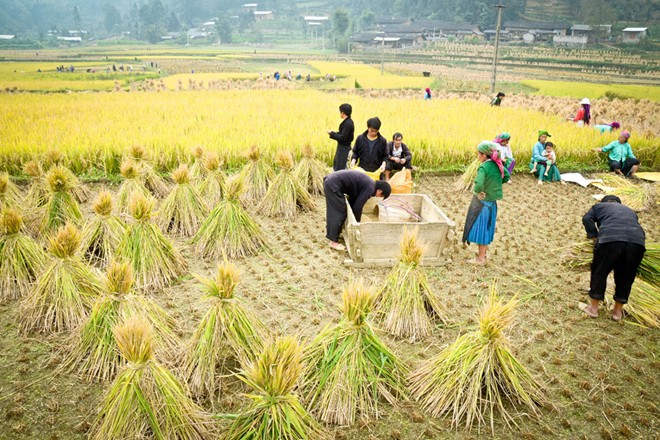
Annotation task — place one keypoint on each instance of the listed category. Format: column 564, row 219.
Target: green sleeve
column 480, row 180
column 608, row 147
column 629, row 153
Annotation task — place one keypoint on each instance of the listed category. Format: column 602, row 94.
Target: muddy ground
column 600, row 376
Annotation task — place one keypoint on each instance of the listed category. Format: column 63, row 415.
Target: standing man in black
column 359, row 188
column 370, row 148
column 344, row 137
column 619, row 247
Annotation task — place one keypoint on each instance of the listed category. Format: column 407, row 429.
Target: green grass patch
column 580, row 90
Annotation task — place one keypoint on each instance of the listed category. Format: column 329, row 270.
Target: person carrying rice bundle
column 619, row 247
column 482, row 213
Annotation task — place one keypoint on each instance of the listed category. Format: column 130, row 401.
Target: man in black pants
column 344, row 137
column 619, row 247
column 359, row 188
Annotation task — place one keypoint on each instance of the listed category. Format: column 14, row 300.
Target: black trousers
column 621, row 257
column 341, row 157
column 625, row 167
column 335, row 213
column 393, row 166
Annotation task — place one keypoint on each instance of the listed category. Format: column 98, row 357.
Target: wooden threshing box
column 376, row 243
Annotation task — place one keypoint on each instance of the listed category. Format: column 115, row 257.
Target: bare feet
column 540, row 182
column 591, row 311
column 337, row 246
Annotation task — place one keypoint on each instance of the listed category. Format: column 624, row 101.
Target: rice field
column 580, row 90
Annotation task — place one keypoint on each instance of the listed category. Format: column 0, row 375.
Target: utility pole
column 497, row 44
column 382, row 59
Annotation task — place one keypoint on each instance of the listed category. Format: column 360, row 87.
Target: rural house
column 633, row 34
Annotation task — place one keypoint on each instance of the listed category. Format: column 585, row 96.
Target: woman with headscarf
column 482, row 213
column 583, row 116
column 621, row 158
column 503, row 141
column 427, row 93
column 538, row 164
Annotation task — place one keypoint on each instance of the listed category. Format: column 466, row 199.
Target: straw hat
column 585, row 101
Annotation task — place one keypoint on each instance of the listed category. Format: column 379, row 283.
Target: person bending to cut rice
column 482, row 213
column 619, row 247
column 359, row 188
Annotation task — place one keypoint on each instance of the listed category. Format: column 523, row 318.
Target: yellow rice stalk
column 579, row 256
column 21, row 258
column 148, row 175
column 466, row 180
column 132, row 182
column 227, row 335
column 615, row 181
column 94, row 352
column 311, row 171
column 155, row 260
column 38, row 193
column 407, row 304
column 286, row 194
column 61, row 208
column 348, row 368
column 212, row 186
column 275, row 412
column 644, row 303
column 62, row 296
column 478, row 376
column 102, row 235
column 10, row 195
column 649, row 268
column 146, row 400
column 229, row 230
column 198, row 169
column 184, row 210
column 256, row 175
column 636, row 197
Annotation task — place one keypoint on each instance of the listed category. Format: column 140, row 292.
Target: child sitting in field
column 550, row 158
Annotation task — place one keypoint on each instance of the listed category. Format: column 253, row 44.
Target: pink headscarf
column 490, row 149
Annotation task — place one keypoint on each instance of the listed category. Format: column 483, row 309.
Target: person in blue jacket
column 621, row 158
column 553, row 174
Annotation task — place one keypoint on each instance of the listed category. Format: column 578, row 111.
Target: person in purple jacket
column 359, row 188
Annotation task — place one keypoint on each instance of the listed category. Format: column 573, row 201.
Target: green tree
column 112, row 17
column 224, row 30
column 340, row 23
column 77, row 21
column 173, row 24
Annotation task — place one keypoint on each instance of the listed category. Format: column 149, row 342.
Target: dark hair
column 610, row 198
column 397, row 135
column 373, row 123
column 500, row 94
column 346, row 109
column 549, row 144
column 385, row 188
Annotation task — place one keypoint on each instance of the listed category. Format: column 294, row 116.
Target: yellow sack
column 373, row 174
column 401, row 182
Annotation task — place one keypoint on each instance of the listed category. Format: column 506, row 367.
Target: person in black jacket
column 398, row 156
column 619, row 247
column 370, row 148
column 359, row 188
column 344, row 137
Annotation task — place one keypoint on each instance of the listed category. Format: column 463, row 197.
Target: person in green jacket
column 622, row 160
column 482, row 213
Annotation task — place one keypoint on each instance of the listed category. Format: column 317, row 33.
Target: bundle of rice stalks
column 406, row 303
column 130, row 172
column 275, row 412
column 211, row 187
column 146, row 400
column 227, row 332
column 615, row 181
column 649, row 268
column 229, row 230
column 478, row 375
column 55, row 158
column 256, row 175
column 466, row 180
column 38, row 193
column 349, row 369
column 61, row 208
column 102, row 235
column 150, row 178
column 94, row 351
column 311, row 171
column 10, row 195
column 198, row 168
column 643, row 303
column 155, row 260
column 64, row 293
column 579, row 256
column 184, row 210
column 286, row 193
column 21, row 258
column 636, row 197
